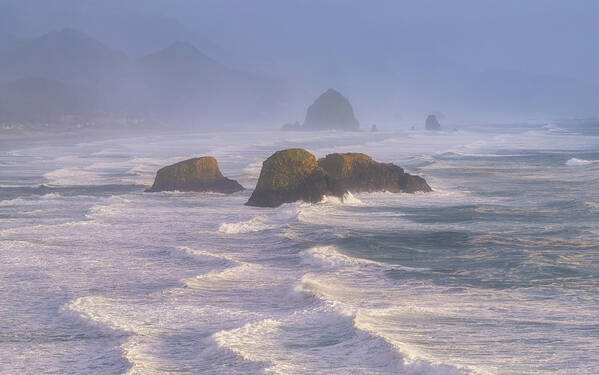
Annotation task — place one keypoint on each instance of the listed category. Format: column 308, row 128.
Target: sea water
column 494, row 272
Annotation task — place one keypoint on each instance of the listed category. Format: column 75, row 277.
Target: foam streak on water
column 495, row 272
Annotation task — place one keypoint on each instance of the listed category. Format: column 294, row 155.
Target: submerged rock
column 357, row 172
column 432, row 123
column 289, row 176
column 198, row 174
column 331, row 111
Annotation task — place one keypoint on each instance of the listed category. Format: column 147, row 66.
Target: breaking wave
column 256, row 224
column 575, row 162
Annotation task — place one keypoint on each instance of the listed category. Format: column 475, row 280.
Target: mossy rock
column 197, row 174
column 295, row 175
column 288, row 176
column 340, row 166
column 357, row 172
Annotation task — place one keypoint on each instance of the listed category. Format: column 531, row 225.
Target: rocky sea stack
column 357, row 173
column 432, row 123
column 289, row 176
column 331, row 111
column 295, row 175
column 198, row 174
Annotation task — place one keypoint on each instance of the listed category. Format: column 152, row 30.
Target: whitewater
column 494, row 272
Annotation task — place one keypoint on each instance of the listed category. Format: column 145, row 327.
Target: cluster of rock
column 331, row 110
column 293, row 175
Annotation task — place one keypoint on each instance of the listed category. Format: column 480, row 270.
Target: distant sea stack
column 295, row 175
column 198, row 174
column 289, row 176
column 331, row 111
column 357, row 173
column 432, row 123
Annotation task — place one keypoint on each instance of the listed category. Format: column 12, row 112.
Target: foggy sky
column 396, row 60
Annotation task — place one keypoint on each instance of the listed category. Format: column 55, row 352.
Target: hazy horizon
column 473, row 61
column 299, row 187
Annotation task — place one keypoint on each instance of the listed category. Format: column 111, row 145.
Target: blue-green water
column 495, row 272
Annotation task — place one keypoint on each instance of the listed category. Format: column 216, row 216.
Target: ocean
column 495, row 272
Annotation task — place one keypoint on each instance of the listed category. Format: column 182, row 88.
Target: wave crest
column 575, row 162
column 256, row 224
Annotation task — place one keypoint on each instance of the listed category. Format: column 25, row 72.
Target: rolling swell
column 495, row 272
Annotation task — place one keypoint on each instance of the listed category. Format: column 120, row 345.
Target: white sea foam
column 31, row 200
column 201, row 252
column 323, row 311
column 14, row 202
column 575, row 162
column 152, row 320
column 330, row 256
column 242, row 276
column 310, row 342
column 153, row 316
column 256, row 224
column 45, row 229
column 73, row 176
column 136, row 170
column 348, row 199
column 554, row 128
column 253, row 170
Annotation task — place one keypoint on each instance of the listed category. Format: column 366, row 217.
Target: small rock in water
column 198, row 174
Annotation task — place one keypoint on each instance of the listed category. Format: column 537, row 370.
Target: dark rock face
column 198, row 174
column 288, row 176
column 432, row 123
column 357, row 172
column 331, row 111
column 412, row 184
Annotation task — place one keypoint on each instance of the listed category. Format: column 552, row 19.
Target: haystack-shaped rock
column 198, row 174
column 331, row 111
column 432, row 123
column 357, row 172
column 289, row 176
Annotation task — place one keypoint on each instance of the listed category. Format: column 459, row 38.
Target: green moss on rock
column 357, row 172
column 295, row 174
column 198, row 174
column 340, row 166
column 288, row 176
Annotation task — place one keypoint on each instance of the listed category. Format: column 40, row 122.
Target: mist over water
column 259, row 64
column 494, row 104
column 495, row 272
